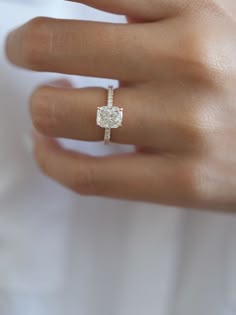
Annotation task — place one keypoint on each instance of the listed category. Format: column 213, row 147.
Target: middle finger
column 95, row 49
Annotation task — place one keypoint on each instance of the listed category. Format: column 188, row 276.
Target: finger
column 142, row 10
column 152, row 116
column 71, row 113
column 80, row 47
column 131, row 176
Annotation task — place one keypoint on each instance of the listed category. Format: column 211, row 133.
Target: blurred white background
column 65, row 254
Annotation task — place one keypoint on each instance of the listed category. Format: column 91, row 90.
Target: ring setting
column 109, row 116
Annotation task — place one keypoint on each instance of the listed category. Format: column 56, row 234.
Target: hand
column 177, row 65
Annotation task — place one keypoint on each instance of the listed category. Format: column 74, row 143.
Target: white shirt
column 63, row 254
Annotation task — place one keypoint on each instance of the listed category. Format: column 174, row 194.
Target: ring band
column 109, row 116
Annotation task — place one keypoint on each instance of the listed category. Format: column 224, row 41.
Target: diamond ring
column 109, row 116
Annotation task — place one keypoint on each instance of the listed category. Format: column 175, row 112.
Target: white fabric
column 65, row 254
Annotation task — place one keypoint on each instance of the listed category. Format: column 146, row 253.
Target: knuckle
column 196, row 135
column 201, row 55
column 197, row 130
column 208, row 186
column 43, row 111
column 192, row 182
column 84, row 181
column 193, row 138
column 201, row 186
column 36, row 42
column 199, row 61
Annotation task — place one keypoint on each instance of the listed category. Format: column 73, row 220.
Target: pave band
column 109, row 116
column 110, row 96
column 110, row 101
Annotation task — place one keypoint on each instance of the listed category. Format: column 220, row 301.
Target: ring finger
column 148, row 119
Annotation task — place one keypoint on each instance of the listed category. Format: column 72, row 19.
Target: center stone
column 109, row 117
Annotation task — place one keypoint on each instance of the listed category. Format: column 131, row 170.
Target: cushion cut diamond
column 109, row 117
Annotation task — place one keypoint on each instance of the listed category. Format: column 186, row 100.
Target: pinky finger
column 136, row 176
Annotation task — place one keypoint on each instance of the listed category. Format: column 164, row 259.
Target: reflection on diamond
column 109, row 117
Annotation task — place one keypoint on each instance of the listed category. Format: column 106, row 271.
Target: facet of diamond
column 109, row 117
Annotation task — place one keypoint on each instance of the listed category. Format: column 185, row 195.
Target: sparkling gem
column 109, row 117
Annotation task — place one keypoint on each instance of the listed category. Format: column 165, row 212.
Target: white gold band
column 110, row 96
column 110, row 100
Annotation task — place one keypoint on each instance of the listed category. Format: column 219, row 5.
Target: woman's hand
column 177, row 65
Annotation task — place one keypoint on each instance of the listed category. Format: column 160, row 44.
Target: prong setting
column 109, row 116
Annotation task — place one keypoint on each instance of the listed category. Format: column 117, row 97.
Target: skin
column 176, row 64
